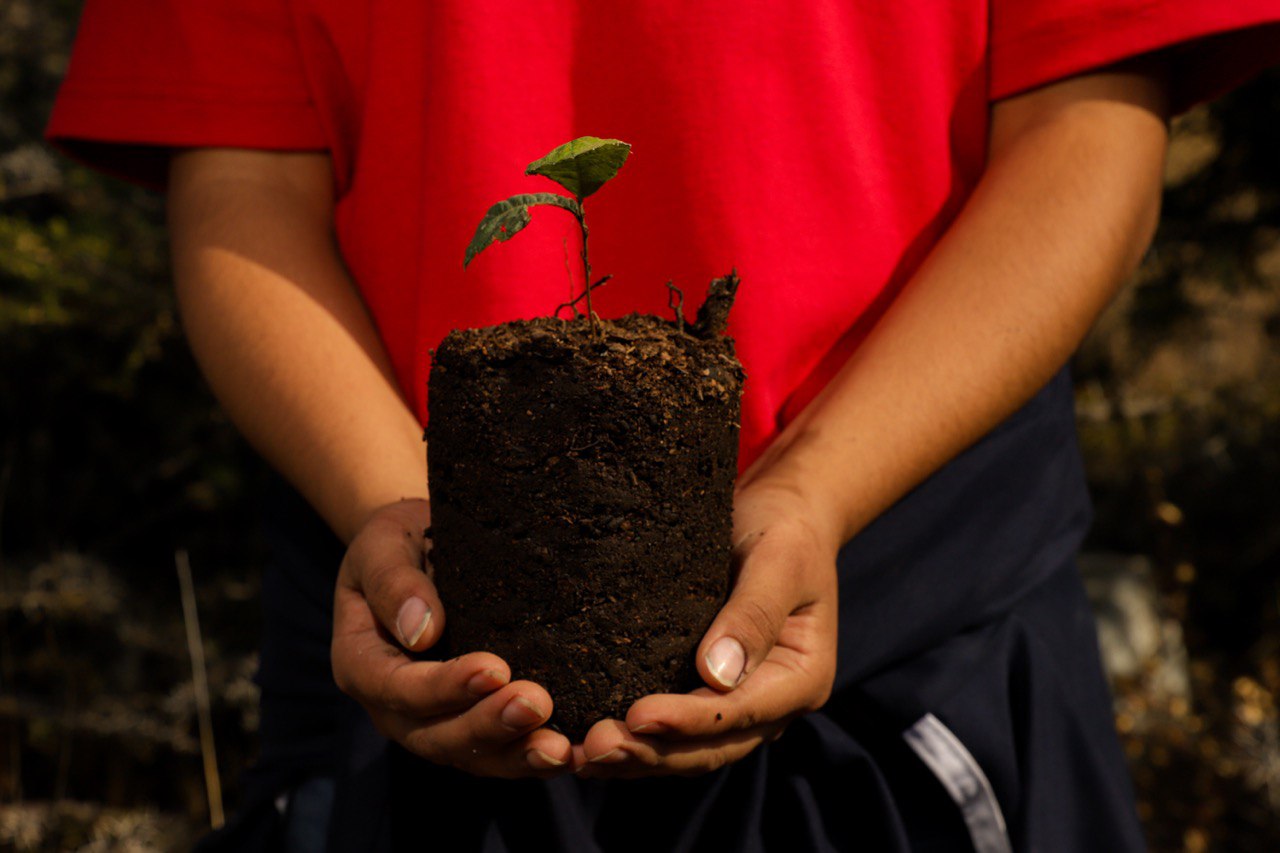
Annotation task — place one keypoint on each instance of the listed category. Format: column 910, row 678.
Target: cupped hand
column 769, row 656
column 464, row 713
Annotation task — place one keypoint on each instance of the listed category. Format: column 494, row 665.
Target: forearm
column 281, row 335
column 1059, row 220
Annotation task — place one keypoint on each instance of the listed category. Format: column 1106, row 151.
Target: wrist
column 778, row 496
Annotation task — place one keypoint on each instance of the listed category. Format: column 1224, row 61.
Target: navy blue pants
column 969, row 709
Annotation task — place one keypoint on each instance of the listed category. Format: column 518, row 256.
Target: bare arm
column 1061, row 217
column 282, row 336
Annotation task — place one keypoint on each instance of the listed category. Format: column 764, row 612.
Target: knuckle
column 355, row 560
column 760, row 619
column 422, row 743
column 481, row 727
column 382, row 577
column 388, row 695
column 647, row 757
column 441, row 744
column 380, row 525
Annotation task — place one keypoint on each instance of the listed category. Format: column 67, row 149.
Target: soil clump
column 582, row 493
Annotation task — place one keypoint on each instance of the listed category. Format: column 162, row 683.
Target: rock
column 1134, row 635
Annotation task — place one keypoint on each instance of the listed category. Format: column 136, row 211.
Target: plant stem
column 586, row 265
column 572, row 303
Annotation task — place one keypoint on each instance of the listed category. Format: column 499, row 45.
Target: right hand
column 465, row 712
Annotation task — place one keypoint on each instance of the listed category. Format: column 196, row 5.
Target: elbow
column 1146, row 222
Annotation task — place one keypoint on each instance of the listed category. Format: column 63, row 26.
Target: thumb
column 384, row 565
column 748, row 626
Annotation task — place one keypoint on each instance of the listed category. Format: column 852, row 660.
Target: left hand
column 769, row 656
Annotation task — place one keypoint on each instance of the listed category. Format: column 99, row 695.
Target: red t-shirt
column 819, row 147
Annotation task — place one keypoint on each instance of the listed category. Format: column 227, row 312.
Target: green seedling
column 581, row 167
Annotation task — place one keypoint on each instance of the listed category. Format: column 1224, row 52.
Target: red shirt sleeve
column 1213, row 44
column 149, row 75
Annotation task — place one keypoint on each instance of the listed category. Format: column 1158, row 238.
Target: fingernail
column 520, row 713
column 613, row 756
column 540, row 760
column 484, row 683
column 654, row 728
column 412, row 621
column 726, row 660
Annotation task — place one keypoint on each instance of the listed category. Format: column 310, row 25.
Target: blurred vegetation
column 110, row 446
column 113, row 455
column 1178, row 399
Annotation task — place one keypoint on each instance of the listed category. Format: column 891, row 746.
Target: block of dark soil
column 581, row 496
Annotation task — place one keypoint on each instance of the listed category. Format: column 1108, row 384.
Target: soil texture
column 582, row 493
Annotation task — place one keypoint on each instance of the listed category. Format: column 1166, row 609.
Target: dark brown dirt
column 582, row 489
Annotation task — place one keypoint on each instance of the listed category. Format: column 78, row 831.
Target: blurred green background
column 113, row 456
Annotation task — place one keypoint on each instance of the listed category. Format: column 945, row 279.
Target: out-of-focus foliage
column 108, row 439
column 112, row 454
column 110, row 445
column 1179, row 413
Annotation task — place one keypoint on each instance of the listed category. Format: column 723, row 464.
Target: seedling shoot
column 581, row 166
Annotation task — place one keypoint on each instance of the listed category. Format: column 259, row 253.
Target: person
column 928, row 206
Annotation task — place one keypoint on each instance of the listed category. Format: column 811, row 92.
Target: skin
column 1061, row 217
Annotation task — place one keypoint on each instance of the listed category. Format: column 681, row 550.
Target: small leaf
column 583, row 165
column 507, row 217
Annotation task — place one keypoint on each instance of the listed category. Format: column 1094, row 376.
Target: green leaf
column 583, row 165
column 507, row 217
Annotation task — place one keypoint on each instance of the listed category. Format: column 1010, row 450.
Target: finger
column 498, row 736
column 777, row 690
column 541, row 753
column 603, row 739
column 639, row 757
column 796, row 677
column 547, row 750
column 378, row 674
column 499, row 718
column 385, row 564
column 770, row 585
